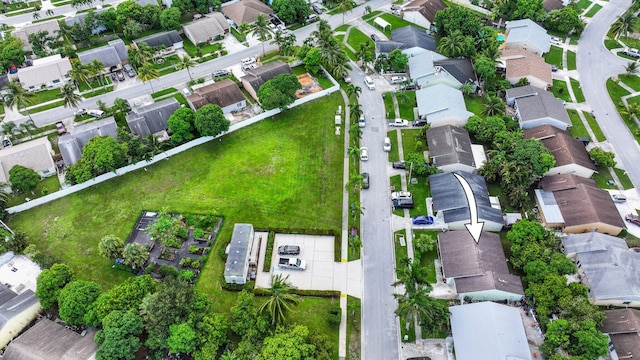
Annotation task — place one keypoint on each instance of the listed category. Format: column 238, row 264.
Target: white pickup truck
column 292, row 263
column 399, row 123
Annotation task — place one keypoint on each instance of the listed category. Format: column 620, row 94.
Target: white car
column 369, row 82
column 361, row 122
column 96, row 113
column 400, row 194
column 398, row 79
column 399, row 123
column 364, row 153
column 80, row 112
column 386, row 145
column 556, row 41
column 248, row 61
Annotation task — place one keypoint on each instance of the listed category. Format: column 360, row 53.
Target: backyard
column 286, row 173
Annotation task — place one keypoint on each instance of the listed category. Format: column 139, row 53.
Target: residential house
column 451, row 204
column 477, row 270
column 519, row 64
column 460, row 69
column 147, row 2
column 51, row 340
column 152, row 119
column 526, row 35
column 71, row 144
column 450, row 149
column 225, row 94
column 536, row 107
column 576, row 205
column 79, row 18
column 17, row 310
column 607, row 267
column 35, row 154
column 206, row 29
column 260, row 75
column 623, row 328
column 488, row 331
column 236, row 268
column 245, row 11
column 51, row 27
column 442, row 105
column 422, row 12
column 45, row 73
column 112, row 55
column 169, row 40
column 422, row 71
column 570, row 154
column 409, row 39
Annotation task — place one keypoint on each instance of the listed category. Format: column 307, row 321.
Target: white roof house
column 206, row 29
column 236, row 268
column 442, row 105
column 488, row 331
column 34, row 154
column 49, row 72
column 526, row 35
column 23, row 32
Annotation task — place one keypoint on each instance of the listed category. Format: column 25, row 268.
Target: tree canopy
column 11, row 52
column 23, row 179
column 74, row 300
column 123, row 297
column 209, row 120
column 455, row 18
column 118, row 338
column 181, row 125
column 604, row 158
column 50, row 282
column 484, row 130
column 291, row 11
column 100, row 155
column 279, row 92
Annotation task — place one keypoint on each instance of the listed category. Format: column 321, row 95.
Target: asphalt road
column 596, row 64
column 380, row 337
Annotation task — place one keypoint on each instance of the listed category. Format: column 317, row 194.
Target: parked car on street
column 399, row 123
column 365, row 180
column 422, row 220
column 408, row 87
column 386, row 145
column 289, row 250
column 95, row 113
column 361, row 122
column 220, row 73
column 60, row 128
column 368, row 81
column 317, row 9
column 80, row 112
column 631, row 52
column 364, row 153
column 554, row 68
column 634, row 219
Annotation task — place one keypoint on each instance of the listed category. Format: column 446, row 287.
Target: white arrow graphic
column 475, row 227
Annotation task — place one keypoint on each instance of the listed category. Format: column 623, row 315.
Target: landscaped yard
column 632, row 81
column 560, row 90
column 577, row 90
column 406, row 104
column 474, row 104
column 388, row 105
column 616, row 92
column 577, row 128
column 594, row 9
column 554, row 56
column 624, row 178
column 394, row 22
column 603, row 178
column 357, row 38
column 285, row 172
column 571, row 60
column 46, row 186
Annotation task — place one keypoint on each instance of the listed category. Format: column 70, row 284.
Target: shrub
column 173, row 242
column 195, row 264
column 183, row 233
column 166, row 270
column 193, row 249
column 198, row 233
column 185, row 262
column 149, row 269
column 335, row 316
column 186, row 275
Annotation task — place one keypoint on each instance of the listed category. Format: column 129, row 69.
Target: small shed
column 237, row 267
column 381, row 22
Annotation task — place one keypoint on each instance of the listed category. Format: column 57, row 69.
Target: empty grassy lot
column 284, row 172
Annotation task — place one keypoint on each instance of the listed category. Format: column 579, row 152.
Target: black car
column 317, row 9
column 219, row 73
column 420, row 122
column 399, row 165
column 289, row 250
column 375, row 37
column 365, row 180
column 403, row 203
column 114, row 77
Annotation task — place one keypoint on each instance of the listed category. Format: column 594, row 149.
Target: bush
column 195, row 264
column 183, row 233
column 198, row 233
column 166, row 270
column 335, row 316
column 186, row 275
column 149, row 269
column 193, row 249
column 185, row 262
column 269, row 253
column 173, row 242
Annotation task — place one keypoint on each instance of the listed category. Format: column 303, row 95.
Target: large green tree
column 246, row 321
column 170, row 19
column 50, row 282
column 484, row 130
column 123, row 297
column 135, row 255
column 23, row 179
column 100, row 155
column 182, row 338
column 292, row 344
column 118, row 339
column 74, row 300
column 11, row 53
column 209, row 120
column 563, row 20
column 291, row 11
column 398, row 60
column 459, row 18
column 111, row 247
column 282, row 299
column 604, row 158
column 181, row 125
column 279, row 92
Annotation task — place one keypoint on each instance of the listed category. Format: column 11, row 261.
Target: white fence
column 165, row 155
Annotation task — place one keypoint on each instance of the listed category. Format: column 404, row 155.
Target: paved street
column 595, row 65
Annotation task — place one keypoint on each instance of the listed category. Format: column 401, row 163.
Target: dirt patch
column 309, row 85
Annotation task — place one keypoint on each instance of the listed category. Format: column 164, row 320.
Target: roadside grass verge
column 353, row 328
column 357, row 38
column 571, row 60
column 389, row 109
column 632, row 81
column 611, row 44
column 396, row 185
column 577, row 91
column 594, row 10
column 625, row 181
column 593, row 124
column 394, row 154
column 616, row 92
column 577, row 128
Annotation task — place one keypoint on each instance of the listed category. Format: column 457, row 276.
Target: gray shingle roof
column 166, row 38
column 612, row 274
column 413, row 37
column 449, row 197
column 207, row 28
column 239, row 249
column 591, row 241
column 260, row 75
column 152, row 119
column 534, row 103
column 47, row 340
column 440, row 102
column 385, row 47
column 71, row 144
column 488, row 331
column 450, row 145
column 461, row 69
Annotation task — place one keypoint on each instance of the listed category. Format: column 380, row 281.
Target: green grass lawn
column 312, row 312
column 396, row 185
column 388, row 105
column 406, row 107
column 192, row 49
column 394, row 154
column 353, row 328
column 602, row 178
column 577, row 91
column 45, row 96
column 394, row 22
column 410, row 137
column 357, row 38
column 49, row 106
column 616, row 92
column 631, row 42
column 571, row 60
column 474, row 104
column 427, row 260
column 582, row 5
column 611, row 44
column 420, row 192
column 51, row 184
column 342, row 28
column 632, row 81
column 285, row 172
column 560, row 90
column 400, row 250
column 164, row 92
column 554, row 56
column 593, row 124
column 577, row 128
column 594, row 10
column 633, row 100
column 372, row 15
column 624, row 178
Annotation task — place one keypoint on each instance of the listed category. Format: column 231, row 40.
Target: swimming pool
column 500, row 37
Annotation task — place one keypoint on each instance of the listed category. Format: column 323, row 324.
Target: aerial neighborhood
column 324, row 179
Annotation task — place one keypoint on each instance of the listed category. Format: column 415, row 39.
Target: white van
column 95, row 113
column 369, row 82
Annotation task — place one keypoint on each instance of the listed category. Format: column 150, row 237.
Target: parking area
column 322, row 272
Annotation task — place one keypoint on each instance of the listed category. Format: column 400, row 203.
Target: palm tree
column 355, row 183
column 631, row 68
column 411, row 274
column 353, row 90
column 355, row 111
column 145, row 52
column 344, row 6
column 147, row 73
column 79, row 73
column 111, row 247
column 355, row 243
column 186, row 63
column 261, row 29
column 278, row 40
column 135, row 255
column 120, row 106
column 341, row 67
column 356, row 209
column 492, row 106
column 228, row 355
column 355, row 132
column 624, row 23
column 8, row 128
column 49, row 12
column 96, row 69
column 354, row 152
column 631, row 111
column 467, row 88
column 65, row 33
column 36, row 15
column 364, row 54
column 18, row 96
column 244, row 28
column 27, row 126
column 323, row 33
column 452, row 45
column 281, row 300
column 412, row 303
column 69, row 96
